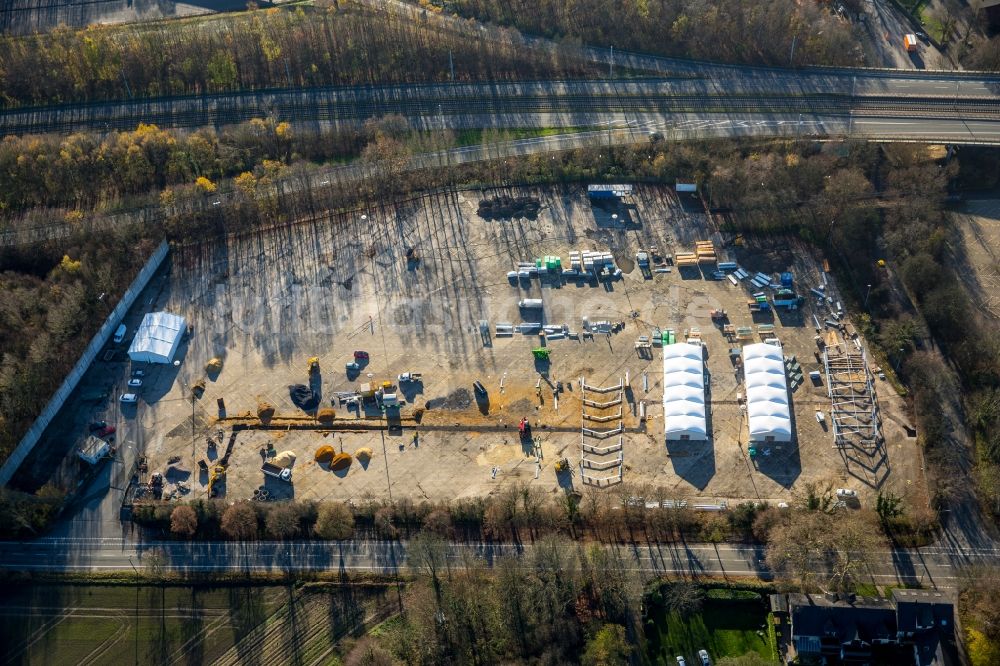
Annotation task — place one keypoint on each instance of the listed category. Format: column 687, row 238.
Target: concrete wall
column 34, row 433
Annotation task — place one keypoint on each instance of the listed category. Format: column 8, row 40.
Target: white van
column 120, row 334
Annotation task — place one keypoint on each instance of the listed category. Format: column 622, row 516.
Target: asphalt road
column 932, row 566
column 763, row 93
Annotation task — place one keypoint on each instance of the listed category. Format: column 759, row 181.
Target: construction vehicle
column 718, row 314
column 540, row 354
column 272, row 470
column 524, row 429
column 413, row 377
column 313, row 365
column 562, row 465
column 910, row 42
column 218, row 473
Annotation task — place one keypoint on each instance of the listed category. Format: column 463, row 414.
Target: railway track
column 437, row 104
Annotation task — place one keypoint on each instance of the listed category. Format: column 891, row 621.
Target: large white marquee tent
column 767, row 393
column 158, row 338
column 684, row 391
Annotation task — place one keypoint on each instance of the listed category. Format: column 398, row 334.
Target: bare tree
column 282, row 521
column 184, row 521
column 239, row 522
column 334, row 521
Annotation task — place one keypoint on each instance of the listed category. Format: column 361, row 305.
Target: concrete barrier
column 30, row 439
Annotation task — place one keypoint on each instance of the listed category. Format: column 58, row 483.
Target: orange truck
column 910, row 42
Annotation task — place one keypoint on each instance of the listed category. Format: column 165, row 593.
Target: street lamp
column 867, row 294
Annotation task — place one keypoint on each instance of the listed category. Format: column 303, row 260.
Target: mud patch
column 457, row 399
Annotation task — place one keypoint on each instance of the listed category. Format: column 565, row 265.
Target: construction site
column 602, row 338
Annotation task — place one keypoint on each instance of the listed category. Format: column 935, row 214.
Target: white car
column 703, row 655
column 680, row 661
column 846, row 493
column 138, row 373
column 134, row 383
column 129, row 397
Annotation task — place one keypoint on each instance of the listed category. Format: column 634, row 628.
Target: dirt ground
column 978, row 251
column 266, row 302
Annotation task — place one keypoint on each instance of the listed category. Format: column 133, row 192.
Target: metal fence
column 34, row 433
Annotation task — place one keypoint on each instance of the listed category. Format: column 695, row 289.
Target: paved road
column 427, row 106
column 932, row 567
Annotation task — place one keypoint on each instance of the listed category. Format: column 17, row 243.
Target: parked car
column 360, row 356
column 97, row 425
column 128, row 398
column 138, row 373
column 680, row 661
column 105, row 431
column 703, row 655
column 845, row 493
column 134, row 383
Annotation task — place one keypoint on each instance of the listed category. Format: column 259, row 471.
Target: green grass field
column 77, row 624
column 724, row 628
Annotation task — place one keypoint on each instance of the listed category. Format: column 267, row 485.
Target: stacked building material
column 705, row 251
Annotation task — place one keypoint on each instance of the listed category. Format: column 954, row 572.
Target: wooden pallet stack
column 686, row 259
column 706, row 251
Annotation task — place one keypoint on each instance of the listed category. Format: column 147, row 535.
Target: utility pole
column 791, row 53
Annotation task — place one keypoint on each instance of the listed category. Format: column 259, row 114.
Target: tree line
column 51, row 307
column 304, row 46
column 97, row 171
column 780, row 32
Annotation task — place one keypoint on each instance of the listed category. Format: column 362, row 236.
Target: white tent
column 158, row 338
column 767, row 393
column 684, row 392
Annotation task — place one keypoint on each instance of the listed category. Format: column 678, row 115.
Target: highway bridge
column 954, row 107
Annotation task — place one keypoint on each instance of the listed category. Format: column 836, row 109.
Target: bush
column 730, row 594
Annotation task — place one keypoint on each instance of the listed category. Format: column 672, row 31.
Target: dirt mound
column 265, row 411
column 508, row 208
column 324, row 454
column 341, row 461
column 303, row 397
column 284, row 459
column 326, row 415
column 457, row 399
